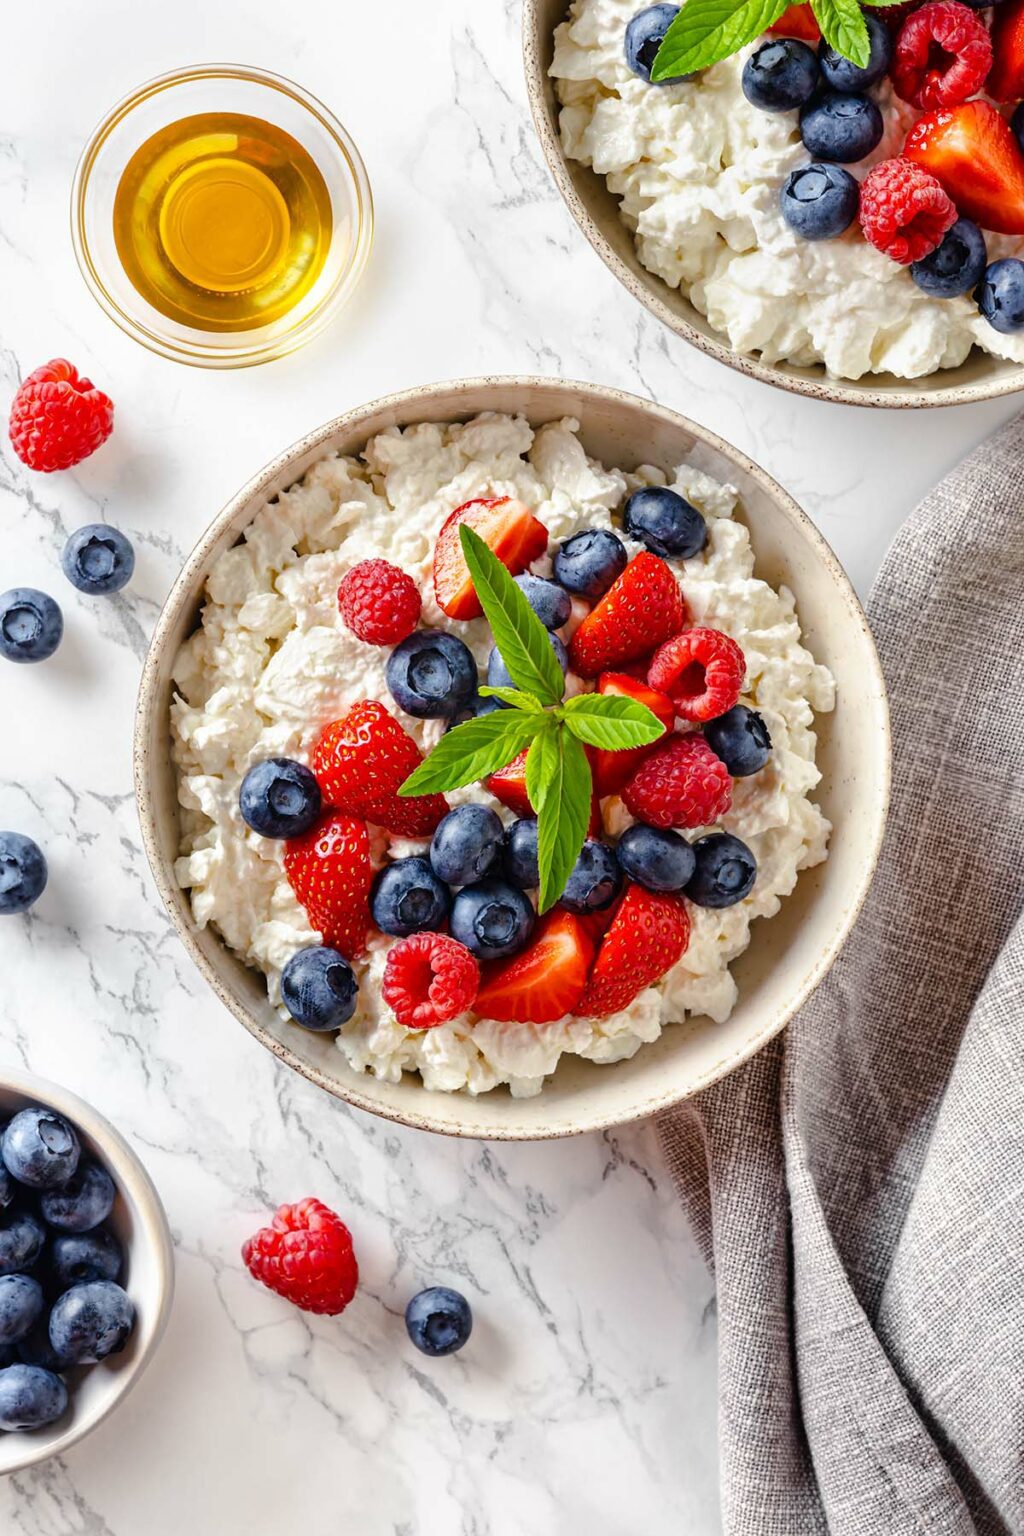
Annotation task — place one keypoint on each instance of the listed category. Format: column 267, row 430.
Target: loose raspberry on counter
column 942, row 55
column 58, row 418
column 429, row 978
column 701, row 670
column 681, row 784
column 379, row 603
column 306, row 1256
column 904, row 212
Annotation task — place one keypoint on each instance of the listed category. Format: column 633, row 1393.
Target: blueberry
column 30, row 1397
column 665, row 522
column 643, row 39
column 819, row 201
column 467, row 845
column 843, row 75
column 439, row 1320
column 91, row 1321
column 841, row 128
column 22, row 1236
column 431, row 675
column 520, row 854
column 35, row 1348
column 40, row 1148
column 279, row 798
column 725, row 873
column 595, row 880
column 551, row 603
column 590, row 562
column 21, row 1302
column 740, row 738
column 1001, row 295
column 498, row 675
column 98, row 560
column 479, row 704
column 22, row 872
column 83, row 1202
column 31, row 625
column 407, row 897
column 318, row 988
column 657, row 860
column 1017, row 123
column 491, row 919
column 956, row 266
column 780, row 75
column 8, row 1189
column 77, row 1257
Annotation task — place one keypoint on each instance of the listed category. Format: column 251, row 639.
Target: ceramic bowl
column 140, row 1225
column 596, row 211
column 787, row 957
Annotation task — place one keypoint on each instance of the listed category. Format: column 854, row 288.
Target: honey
column 222, row 222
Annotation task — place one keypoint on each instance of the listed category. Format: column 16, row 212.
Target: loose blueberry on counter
column 30, row 1397
column 819, row 202
column 1017, row 123
column 83, row 1202
column 1001, row 295
column 665, row 522
column 439, row 1320
column 77, row 1257
column 407, row 897
column 22, row 872
column 40, row 1148
column 31, row 625
column 279, row 798
column 21, row 1302
column 954, row 267
column 725, row 872
column 431, row 675
column 491, row 919
column 780, row 75
column 843, row 75
column 644, row 34
column 318, row 988
column 550, row 602
column 595, row 881
column 98, row 560
column 498, row 675
column 658, row 860
column 92, row 1321
column 841, row 129
column 22, row 1236
column 589, row 562
column 467, row 845
column 740, row 738
column 520, row 854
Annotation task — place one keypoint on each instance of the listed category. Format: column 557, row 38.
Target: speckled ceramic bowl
column 596, row 211
column 788, row 956
column 140, row 1225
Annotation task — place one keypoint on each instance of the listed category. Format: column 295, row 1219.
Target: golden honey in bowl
column 222, row 222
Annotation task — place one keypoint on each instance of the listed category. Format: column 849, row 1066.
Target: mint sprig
column 611, row 722
column 526, row 649
column 706, row 31
column 473, row 750
column 560, row 788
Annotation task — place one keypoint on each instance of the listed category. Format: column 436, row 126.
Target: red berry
column 428, row 979
column 971, row 150
column 509, row 786
column 797, row 21
column 701, row 670
column 904, row 212
column 1006, row 77
column 510, row 531
column 361, row 761
column 379, row 603
column 58, row 418
column 682, row 784
column 306, row 1256
column 612, row 769
column 942, row 55
column 640, row 610
column 648, row 935
column 329, row 870
column 544, row 982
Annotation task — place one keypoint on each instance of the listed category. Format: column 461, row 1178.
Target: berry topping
column 942, row 55
column 30, row 1397
column 97, row 559
column 780, row 75
column 841, row 128
column 467, row 845
column 681, row 784
column 21, row 1301
column 362, row 760
column 595, row 879
column 590, row 562
column 665, row 522
column 40, row 1148
column 643, row 38
column 318, row 988
column 1001, row 295
column 648, row 935
column 740, row 738
column 31, row 625
column 904, row 211
column 612, row 769
column 83, row 1202
column 409, row 898
column 78, row 1257
column 429, row 979
column 379, row 603
column 328, row 868
column 725, row 871
column 644, row 607
column 90, row 1322
column 1006, row 77
column 22, row 1236
column 550, row 602
column 438, row 1320
column 432, row 675
column 956, row 266
column 843, row 75
column 509, row 786
column 819, row 202
column 279, row 798
column 546, row 981
column 657, row 859
column 509, row 530
column 701, row 670
column 498, row 675
column 492, row 919
column 22, row 873
column 797, row 21
column 972, row 152
column 306, row 1256
column 58, row 418
column 519, row 854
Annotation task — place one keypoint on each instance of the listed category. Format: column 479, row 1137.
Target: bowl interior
column 596, row 211
column 787, row 956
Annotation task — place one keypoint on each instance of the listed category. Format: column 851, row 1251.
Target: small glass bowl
column 220, row 88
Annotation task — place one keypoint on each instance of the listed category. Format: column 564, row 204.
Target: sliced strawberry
column 644, row 607
column 329, row 871
column 509, row 786
column 649, row 933
column 509, row 530
column 972, row 153
column 361, row 761
column 612, row 769
column 1006, row 77
column 545, row 981
column 799, row 22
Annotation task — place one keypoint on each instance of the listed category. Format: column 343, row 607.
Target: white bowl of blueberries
column 86, row 1269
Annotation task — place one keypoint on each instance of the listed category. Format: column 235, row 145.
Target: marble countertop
column 587, row 1399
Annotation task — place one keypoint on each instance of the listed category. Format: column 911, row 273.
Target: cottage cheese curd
column 698, row 171
column 271, row 664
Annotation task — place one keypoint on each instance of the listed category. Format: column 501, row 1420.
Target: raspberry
column 379, row 603
column 682, row 784
column 942, row 55
column 904, row 212
column 306, row 1256
column 428, row 979
column 59, row 418
column 701, row 670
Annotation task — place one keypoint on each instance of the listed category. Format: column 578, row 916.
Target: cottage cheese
column 272, row 663
column 698, row 171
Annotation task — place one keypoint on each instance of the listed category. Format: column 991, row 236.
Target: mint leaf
column 881, row 4
column 708, row 30
column 843, row 27
column 472, row 751
column 611, row 722
column 524, row 643
column 511, row 696
column 559, row 785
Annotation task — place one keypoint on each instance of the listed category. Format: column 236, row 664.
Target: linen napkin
column 859, row 1186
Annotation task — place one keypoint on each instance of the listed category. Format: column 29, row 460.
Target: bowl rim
column 134, row 1184
column 183, row 594
column 647, row 289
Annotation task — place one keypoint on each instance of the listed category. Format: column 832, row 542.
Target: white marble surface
column 586, row 1402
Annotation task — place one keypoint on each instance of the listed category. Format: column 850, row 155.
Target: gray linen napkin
column 859, row 1186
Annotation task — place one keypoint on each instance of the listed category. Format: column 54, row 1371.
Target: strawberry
column 648, row 935
column 508, row 529
column 544, row 982
column 1006, row 77
column 641, row 609
column 509, row 786
column 329, row 870
column 361, row 760
column 972, row 153
column 799, row 22
column 612, row 769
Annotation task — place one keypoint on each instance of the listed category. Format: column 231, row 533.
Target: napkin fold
column 859, row 1186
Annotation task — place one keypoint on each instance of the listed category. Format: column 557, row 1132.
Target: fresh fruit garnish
column 706, row 31
column 510, row 531
column 841, row 127
column 595, row 880
column 819, row 202
column 942, row 55
column 842, row 75
column 432, row 675
column 655, row 858
column 328, row 868
column 58, row 418
column 546, row 981
column 644, row 33
column 643, row 607
column 740, row 738
column 498, row 675
column 492, row 919
column 279, row 798
column 429, row 978
column 681, row 784
column 588, row 562
column 971, row 151
column 379, row 602
column 509, row 786
column 98, row 560
column 519, row 854
column 408, row 897
column 612, row 769
column 438, row 1321
column 724, row 873
column 956, row 266
column 306, row 1256
column 904, row 210
column 1006, row 77
column 780, row 76
column 551, row 603
column 797, row 21
column 1001, row 295
column 701, row 670
column 467, row 845
column 31, row 625
column 318, row 988
column 23, row 873
column 666, row 522
column 361, row 760
column 647, row 937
